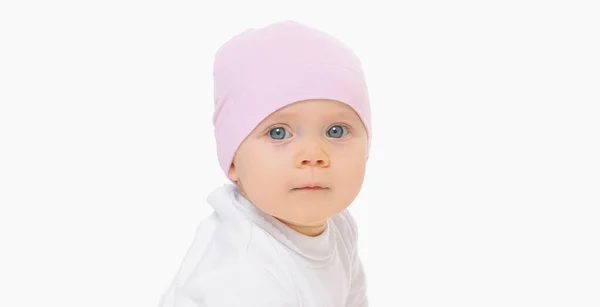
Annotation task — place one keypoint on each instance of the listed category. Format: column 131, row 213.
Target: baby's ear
column 233, row 174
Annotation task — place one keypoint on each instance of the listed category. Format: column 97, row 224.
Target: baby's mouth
column 311, row 187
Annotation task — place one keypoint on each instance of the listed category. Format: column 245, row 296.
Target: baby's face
column 304, row 163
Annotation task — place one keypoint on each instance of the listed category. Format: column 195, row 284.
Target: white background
column 483, row 187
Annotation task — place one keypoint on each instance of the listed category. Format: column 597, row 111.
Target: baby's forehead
column 316, row 108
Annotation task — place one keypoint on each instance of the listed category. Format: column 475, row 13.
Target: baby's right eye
column 279, row 133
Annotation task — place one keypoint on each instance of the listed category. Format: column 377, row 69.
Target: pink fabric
column 262, row 70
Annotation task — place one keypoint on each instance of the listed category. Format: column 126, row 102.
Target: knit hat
column 262, row 70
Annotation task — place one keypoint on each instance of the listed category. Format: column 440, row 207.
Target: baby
column 292, row 124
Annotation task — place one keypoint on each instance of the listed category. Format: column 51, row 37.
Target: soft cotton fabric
column 241, row 256
column 262, row 70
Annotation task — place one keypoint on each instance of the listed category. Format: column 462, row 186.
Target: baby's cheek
column 350, row 175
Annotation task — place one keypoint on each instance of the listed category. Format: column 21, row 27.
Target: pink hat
column 262, row 70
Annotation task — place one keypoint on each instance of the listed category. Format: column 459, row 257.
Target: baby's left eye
column 337, row 131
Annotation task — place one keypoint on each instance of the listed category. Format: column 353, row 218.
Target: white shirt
column 242, row 257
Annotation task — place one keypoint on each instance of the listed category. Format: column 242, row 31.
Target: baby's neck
column 311, row 231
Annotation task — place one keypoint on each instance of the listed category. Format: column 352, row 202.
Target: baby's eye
column 337, row 131
column 279, row 133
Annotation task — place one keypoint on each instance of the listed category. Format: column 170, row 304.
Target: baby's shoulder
column 237, row 259
column 239, row 284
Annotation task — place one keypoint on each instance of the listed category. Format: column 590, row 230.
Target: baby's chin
column 306, row 214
